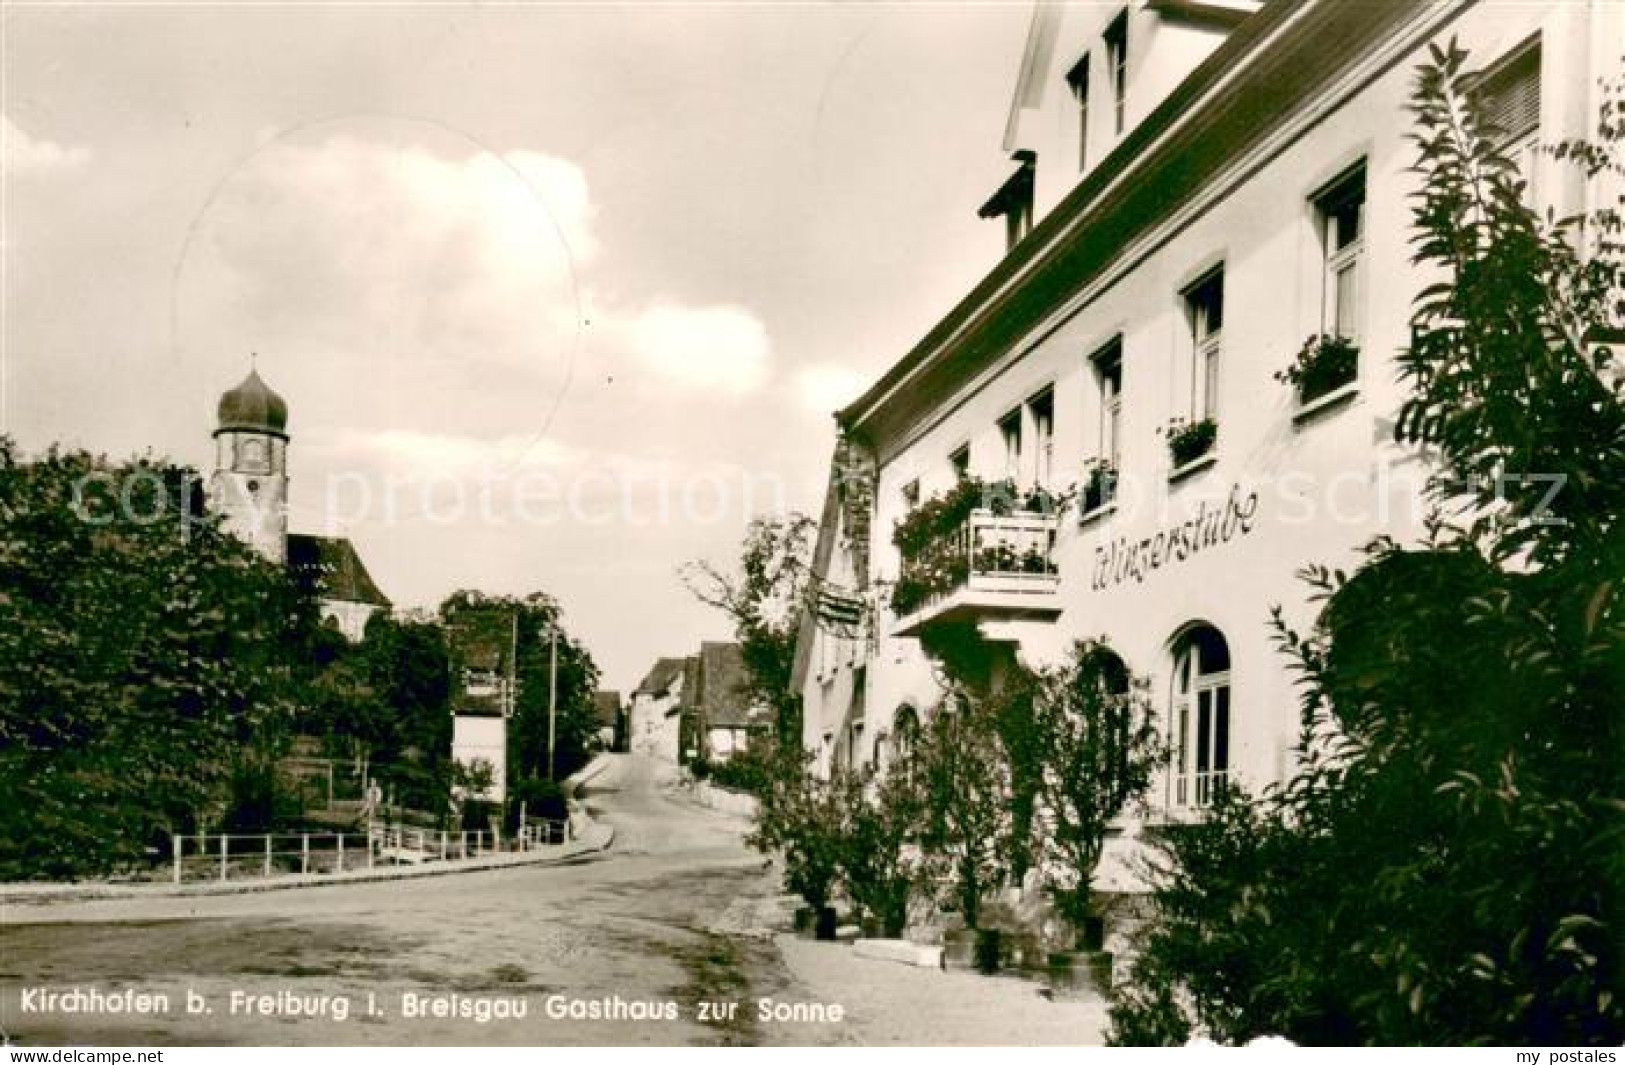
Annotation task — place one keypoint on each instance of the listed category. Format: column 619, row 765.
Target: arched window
column 1200, row 720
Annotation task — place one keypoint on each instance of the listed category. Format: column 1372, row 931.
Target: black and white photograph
column 665, row 524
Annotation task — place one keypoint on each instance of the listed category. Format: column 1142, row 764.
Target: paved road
column 624, row 947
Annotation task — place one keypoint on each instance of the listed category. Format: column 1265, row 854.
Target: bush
column 542, row 798
column 1098, row 748
column 800, row 818
column 879, row 819
column 965, row 823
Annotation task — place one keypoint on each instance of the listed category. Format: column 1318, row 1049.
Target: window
column 1041, row 409
column 1077, row 79
column 959, row 462
column 1508, row 96
column 1010, row 433
column 1108, row 367
column 1014, row 200
column 1341, row 212
column 1117, row 66
column 1200, row 716
column 911, row 494
column 906, row 738
column 1204, row 308
column 253, row 455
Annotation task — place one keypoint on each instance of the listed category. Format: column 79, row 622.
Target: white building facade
column 1200, row 188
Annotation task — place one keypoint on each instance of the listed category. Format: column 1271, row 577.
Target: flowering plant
column 1324, row 363
column 1190, row 440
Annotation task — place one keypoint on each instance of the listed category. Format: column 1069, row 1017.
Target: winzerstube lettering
column 1123, row 559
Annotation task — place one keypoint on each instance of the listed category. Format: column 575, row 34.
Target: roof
column 253, row 406
column 725, row 697
column 659, row 677
column 330, row 568
column 607, row 707
column 1241, row 94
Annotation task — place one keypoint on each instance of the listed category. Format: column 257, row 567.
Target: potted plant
column 1099, row 748
column 1099, row 484
column 799, row 817
column 881, row 817
column 965, row 820
column 1190, row 440
column 1324, row 364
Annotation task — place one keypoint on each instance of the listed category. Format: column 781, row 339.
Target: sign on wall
column 1214, row 524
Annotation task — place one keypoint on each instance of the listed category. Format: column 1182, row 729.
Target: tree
column 764, row 601
column 1445, row 866
column 800, row 818
column 407, row 664
column 144, row 657
column 966, row 785
column 575, row 721
column 1099, row 749
column 880, row 818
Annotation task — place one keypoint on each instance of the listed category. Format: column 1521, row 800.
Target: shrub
column 800, row 818
column 1098, row 748
column 1445, row 865
column 879, row 819
column 543, row 798
column 965, row 822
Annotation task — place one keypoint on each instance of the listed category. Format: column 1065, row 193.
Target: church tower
column 249, row 488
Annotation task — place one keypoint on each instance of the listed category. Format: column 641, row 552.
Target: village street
column 678, row 912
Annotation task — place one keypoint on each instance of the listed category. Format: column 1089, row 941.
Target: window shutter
column 1509, row 97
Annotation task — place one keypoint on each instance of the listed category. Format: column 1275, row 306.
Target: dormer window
column 1077, row 80
column 1116, row 38
column 1014, row 200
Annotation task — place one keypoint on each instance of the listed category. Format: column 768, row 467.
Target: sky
column 559, row 296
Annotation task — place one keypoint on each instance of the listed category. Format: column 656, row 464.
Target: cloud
column 380, row 249
column 24, row 154
column 716, row 350
column 439, row 288
column 825, row 387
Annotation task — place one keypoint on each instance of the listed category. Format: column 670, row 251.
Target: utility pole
column 552, row 692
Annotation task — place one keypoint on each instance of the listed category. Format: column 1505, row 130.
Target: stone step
column 899, row 950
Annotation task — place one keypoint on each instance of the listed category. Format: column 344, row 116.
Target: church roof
column 330, row 568
column 253, row 406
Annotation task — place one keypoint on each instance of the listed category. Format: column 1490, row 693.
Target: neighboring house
column 610, row 715
column 724, row 716
column 249, row 489
column 482, row 643
column 1199, row 187
column 654, row 714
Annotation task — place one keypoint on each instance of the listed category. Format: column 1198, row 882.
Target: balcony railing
column 993, row 565
column 1201, row 788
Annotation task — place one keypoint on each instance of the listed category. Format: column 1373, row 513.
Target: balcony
column 994, row 567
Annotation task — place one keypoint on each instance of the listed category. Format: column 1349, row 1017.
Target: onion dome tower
column 249, row 488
